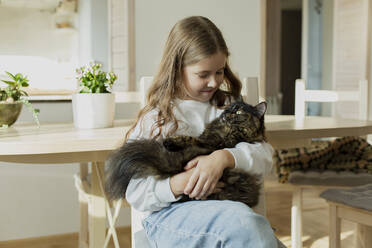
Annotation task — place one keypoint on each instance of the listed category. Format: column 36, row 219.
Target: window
column 33, row 44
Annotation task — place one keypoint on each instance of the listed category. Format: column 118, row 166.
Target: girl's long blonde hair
column 190, row 40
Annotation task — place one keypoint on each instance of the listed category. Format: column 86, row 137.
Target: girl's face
column 203, row 78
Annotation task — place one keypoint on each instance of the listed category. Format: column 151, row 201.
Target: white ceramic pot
column 93, row 110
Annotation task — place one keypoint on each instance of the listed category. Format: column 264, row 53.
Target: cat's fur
column 240, row 122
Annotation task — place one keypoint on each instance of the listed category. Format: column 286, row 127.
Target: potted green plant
column 12, row 99
column 94, row 104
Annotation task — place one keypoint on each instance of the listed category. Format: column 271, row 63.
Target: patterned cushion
column 351, row 154
column 357, row 197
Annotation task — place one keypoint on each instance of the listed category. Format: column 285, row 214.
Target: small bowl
column 9, row 112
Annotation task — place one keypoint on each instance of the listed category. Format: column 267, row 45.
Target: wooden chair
column 83, row 179
column 353, row 204
column 250, row 90
column 303, row 180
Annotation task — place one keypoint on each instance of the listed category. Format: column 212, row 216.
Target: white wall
column 37, row 200
column 239, row 21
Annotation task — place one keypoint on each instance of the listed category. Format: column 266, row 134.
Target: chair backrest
column 145, row 83
column 250, row 90
column 135, row 96
column 303, row 95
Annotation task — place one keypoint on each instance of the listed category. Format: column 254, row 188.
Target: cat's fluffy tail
column 135, row 159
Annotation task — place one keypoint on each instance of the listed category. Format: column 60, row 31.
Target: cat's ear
column 261, row 108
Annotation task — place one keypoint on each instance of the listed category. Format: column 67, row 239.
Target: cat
column 239, row 122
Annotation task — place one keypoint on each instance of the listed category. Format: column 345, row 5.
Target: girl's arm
column 151, row 194
column 255, row 158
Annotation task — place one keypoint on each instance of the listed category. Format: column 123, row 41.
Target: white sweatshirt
column 148, row 194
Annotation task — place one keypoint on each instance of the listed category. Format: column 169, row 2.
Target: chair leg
column 112, row 221
column 83, row 232
column 296, row 218
column 110, row 217
column 334, row 227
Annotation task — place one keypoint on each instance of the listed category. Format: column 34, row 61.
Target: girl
column 185, row 96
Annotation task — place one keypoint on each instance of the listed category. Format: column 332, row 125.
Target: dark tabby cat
column 240, row 122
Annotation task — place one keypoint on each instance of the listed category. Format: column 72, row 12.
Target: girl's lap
column 211, row 223
column 199, row 214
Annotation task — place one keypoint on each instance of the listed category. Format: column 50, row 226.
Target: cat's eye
column 238, row 112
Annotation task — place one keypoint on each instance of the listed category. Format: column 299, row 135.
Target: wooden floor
column 278, row 197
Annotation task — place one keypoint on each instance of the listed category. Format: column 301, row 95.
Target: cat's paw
column 172, row 145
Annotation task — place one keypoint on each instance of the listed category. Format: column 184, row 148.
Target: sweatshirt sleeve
column 256, row 157
column 148, row 194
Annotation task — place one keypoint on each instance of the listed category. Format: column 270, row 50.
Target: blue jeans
column 208, row 224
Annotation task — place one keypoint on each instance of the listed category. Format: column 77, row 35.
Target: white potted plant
column 94, row 104
column 12, row 99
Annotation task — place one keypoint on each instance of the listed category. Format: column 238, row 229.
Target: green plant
column 14, row 90
column 92, row 79
column 14, row 93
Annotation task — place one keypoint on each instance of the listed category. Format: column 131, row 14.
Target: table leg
column 97, row 213
column 83, row 233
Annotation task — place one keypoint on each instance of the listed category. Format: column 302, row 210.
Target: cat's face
column 245, row 119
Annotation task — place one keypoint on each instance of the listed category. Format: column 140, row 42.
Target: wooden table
column 284, row 131
column 62, row 143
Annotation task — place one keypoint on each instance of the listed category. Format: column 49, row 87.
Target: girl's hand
column 179, row 181
column 207, row 172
